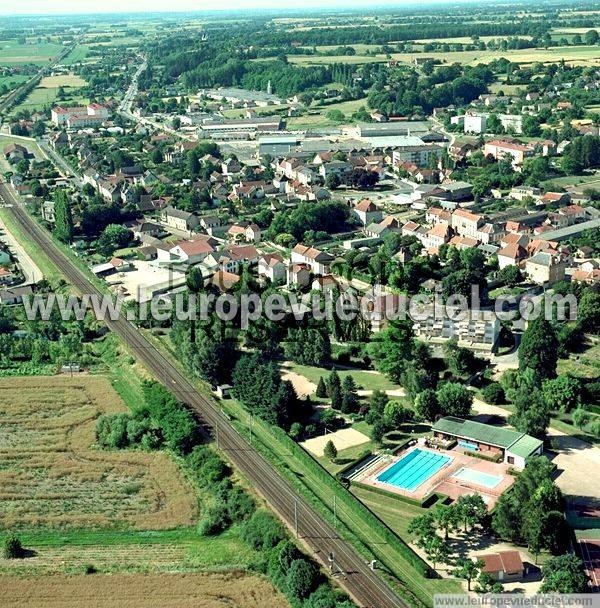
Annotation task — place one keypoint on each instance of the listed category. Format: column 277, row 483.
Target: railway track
column 355, row 575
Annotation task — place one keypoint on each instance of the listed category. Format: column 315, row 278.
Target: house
column 272, row 267
column 191, row 251
column 225, row 281
column 298, row 275
column 368, row 212
column 210, row 223
column 437, row 215
column 511, row 255
column 15, row 152
column 318, row 261
column 15, row 295
column 545, row 268
column 48, row 212
column 436, row 236
column 244, row 231
column 512, row 446
column 504, row 566
column 517, row 152
column 474, row 123
column 466, row 223
column 324, row 284
column 573, row 213
column 111, row 267
column 59, row 140
column 178, row 219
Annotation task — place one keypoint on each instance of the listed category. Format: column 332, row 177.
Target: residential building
column 367, row 212
column 504, row 566
column 318, row 261
column 272, row 267
column 178, row 219
column 545, row 268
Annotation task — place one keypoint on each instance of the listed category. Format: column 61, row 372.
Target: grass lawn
column 82, row 53
column 41, row 97
column 396, row 513
column 590, row 180
column 366, row 380
column 585, row 364
column 305, row 60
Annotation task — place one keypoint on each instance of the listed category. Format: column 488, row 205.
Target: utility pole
column 335, row 520
column 296, row 516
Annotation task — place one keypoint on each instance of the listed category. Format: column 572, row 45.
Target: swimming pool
column 478, row 477
column 413, row 469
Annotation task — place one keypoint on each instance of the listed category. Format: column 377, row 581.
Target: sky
column 38, row 7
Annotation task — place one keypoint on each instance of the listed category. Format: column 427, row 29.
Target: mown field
column 51, row 475
column 222, row 590
column 11, row 52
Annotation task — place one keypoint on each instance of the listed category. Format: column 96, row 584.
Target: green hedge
column 497, row 458
column 426, row 502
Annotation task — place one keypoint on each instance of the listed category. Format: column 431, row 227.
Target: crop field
column 208, row 590
column 51, row 475
column 578, row 55
column 63, row 80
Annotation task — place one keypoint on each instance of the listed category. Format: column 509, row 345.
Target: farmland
column 143, row 591
column 51, row 476
column 39, row 53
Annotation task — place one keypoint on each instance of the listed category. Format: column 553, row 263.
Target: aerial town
column 432, row 172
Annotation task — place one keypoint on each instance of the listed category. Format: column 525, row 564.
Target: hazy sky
column 109, row 6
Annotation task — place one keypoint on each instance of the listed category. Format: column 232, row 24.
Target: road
column 363, row 585
column 59, row 162
column 127, row 102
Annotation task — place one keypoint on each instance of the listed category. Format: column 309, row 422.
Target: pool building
column 514, row 447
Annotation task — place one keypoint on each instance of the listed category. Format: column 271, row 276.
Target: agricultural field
column 214, row 590
column 52, row 476
column 62, row 80
column 38, row 53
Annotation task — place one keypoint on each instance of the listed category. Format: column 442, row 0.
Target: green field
column 38, row 53
column 365, row 380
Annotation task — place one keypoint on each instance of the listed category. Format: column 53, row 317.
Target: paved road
column 59, row 162
column 364, row 585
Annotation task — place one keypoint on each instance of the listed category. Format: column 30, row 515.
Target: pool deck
column 442, row 481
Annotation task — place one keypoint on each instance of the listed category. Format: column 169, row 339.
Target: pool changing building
column 514, row 446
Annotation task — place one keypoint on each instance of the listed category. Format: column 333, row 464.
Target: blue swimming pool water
column 478, row 477
column 413, row 469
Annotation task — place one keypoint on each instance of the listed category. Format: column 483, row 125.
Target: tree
column 493, row 393
column 321, row 391
column 262, row 531
column 422, row 527
column 467, row 569
column 427, row 405
column 471, row 509
column 562, row 393
column 539, row 349
column 301, row 579
column 447, row 518
column 589, row 311
column 486, row 584
column 330, row 451
column 194, row 279
column 13, row 549
column 333, row 181
column 564, row 574
column 510, row 275
column 454, row 399
column 113, row 237
column 436, row 549
column 391, row 349
column 395, row 414
column 460, row 361
column 350, row 402
column 63, row 219
column 591, row 37
column 531, row 414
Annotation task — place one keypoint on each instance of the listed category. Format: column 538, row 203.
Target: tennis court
column 590, row 554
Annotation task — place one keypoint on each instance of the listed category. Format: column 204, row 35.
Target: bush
column 13, row 549
column 301, row 579
column 214, row 520
column 89, row 569
column 111, row 431
column 240, row 505
column 262, row 531
column 493, row 393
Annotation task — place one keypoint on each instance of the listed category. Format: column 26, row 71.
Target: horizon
column 58, row 8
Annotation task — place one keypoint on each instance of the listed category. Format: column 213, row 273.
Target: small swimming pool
column 413, row 469
column 478, row 477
